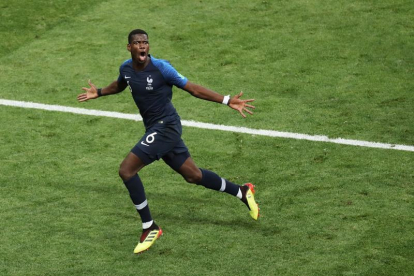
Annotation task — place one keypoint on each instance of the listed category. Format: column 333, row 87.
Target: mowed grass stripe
column 262, row 132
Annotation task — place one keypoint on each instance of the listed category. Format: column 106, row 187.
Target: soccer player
column 150, row 81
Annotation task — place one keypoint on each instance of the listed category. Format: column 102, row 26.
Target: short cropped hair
column 135, row 32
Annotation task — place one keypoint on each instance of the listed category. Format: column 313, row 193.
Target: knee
column 124, row 173
column 130, row 166
column 193, row 177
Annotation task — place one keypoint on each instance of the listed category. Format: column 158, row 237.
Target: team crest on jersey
column 149, row 83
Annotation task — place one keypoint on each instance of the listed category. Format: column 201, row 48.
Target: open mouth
column 142, row 56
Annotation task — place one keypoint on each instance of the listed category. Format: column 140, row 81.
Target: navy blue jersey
column 152, row 89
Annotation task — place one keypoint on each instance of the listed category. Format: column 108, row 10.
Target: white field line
column 262, row 132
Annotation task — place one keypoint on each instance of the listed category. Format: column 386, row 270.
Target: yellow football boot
column 147, row 239
column 250, row 202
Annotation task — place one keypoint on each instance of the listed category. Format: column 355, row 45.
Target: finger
column 241, row 113
column 90, row 83
column 249, row 100
column 248, row 111
column 81, row 97
column 238, row 95
column 84, row 88
column 250, row 106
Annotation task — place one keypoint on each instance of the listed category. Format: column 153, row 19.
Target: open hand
column 241, row 105
column 91, row 93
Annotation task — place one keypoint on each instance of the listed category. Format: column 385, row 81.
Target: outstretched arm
column 92, row 91
column 209, row 95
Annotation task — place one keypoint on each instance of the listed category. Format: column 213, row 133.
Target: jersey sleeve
column 120, row 77
column 170, row 74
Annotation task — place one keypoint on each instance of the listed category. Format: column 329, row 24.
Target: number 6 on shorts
column 150, row 139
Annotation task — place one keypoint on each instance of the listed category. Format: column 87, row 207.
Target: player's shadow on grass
column 227, row 213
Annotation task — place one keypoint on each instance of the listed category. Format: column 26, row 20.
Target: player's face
column 139, row 48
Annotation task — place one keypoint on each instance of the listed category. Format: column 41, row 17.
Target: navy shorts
column 163, row 140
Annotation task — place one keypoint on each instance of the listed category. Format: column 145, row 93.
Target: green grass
column 337, row 68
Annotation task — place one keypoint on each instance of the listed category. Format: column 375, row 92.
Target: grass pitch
column 337, row 68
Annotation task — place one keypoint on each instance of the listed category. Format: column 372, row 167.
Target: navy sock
column 212, row 181
column 137, row 194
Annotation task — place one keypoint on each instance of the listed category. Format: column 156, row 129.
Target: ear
column 129, row 47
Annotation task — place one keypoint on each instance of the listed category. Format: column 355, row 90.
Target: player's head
column 138, row 45
column 136, row 32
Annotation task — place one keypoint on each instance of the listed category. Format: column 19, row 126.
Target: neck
column 139, row 66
